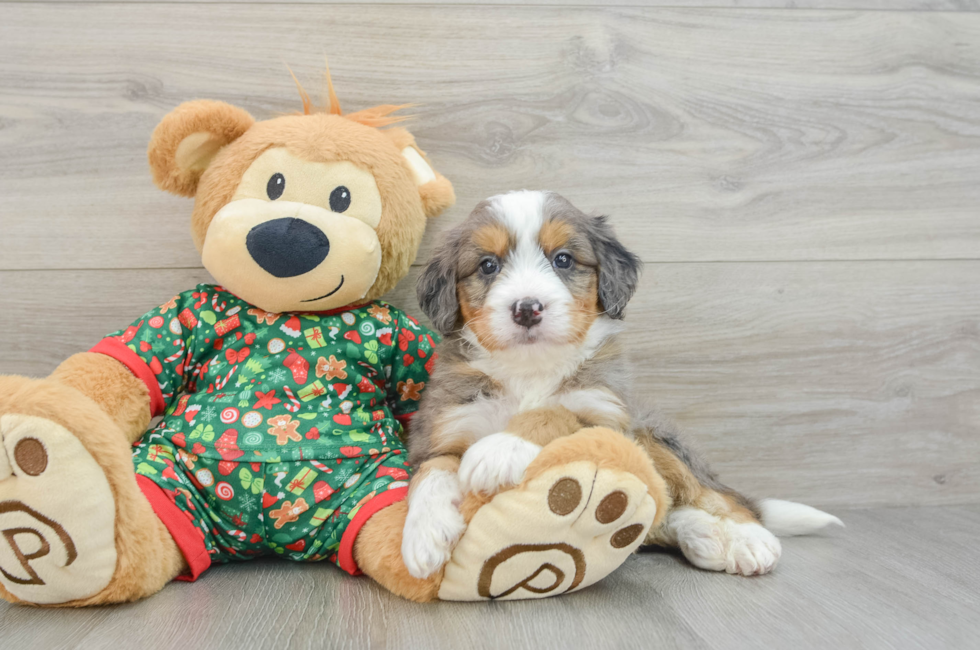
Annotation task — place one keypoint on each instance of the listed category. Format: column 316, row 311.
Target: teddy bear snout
column 287, row 247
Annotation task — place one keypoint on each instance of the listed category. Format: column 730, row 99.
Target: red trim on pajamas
column 186, row 535
column 345, row 554
column 405, row 419
column 116, row 349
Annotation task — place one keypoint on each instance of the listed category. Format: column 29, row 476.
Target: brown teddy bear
column 283, row 393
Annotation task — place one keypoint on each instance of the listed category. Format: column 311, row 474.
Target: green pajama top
column 280, row 432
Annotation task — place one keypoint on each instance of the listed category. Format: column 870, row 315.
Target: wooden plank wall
column 803, row 185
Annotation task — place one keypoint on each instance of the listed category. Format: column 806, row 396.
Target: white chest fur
column 530, row 377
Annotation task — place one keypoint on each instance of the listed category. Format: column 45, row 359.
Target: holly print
column 289, row 421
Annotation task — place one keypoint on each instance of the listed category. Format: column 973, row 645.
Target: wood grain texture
column 840, row 384
column 756, row 153
column 894, row 578
column 707, row 134
column 876, row 5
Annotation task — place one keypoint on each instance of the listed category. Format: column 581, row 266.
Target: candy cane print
column 293, row 405
column 195, row 370
column 214, row 303
column 179, row 353
column 320, row 466
column 220, row 383
column 380, row 430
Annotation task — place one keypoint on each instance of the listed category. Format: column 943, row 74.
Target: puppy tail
column 786, row 518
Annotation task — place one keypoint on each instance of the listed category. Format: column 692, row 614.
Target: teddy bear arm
column 112, row 386
column 378, row 553
column 544, row 425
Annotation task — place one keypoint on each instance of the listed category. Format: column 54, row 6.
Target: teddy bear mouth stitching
column 327, row 295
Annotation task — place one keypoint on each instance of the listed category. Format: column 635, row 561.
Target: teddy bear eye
column 340, row 199
column 276, row 186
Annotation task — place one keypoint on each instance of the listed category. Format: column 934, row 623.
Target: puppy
column 530, row 293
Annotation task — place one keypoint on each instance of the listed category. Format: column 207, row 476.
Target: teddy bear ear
column 187, row 139
column 435, row 190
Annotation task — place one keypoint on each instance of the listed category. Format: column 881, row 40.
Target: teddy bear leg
column 378, row 553
column 75, row 529
column 586, row 503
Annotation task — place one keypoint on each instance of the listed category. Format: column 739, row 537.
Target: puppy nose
column 527, row 312
column 287, row 247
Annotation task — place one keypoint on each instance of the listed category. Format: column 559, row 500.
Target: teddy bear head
column 305, row 212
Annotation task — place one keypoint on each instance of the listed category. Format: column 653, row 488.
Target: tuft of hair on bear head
column 377, row 116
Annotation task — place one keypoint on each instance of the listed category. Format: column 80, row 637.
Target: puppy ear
column 435, row 190
column 436, row 288
column 187, row 139
column 619, row 269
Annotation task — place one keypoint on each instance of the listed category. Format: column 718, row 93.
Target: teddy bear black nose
column 287, row 247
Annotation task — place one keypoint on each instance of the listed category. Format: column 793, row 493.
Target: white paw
column 433, row 525
column 721, row 544
column 496, row 461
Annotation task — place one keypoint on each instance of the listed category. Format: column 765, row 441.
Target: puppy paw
column 496, row 461
column 433, row 525
column 722, row 544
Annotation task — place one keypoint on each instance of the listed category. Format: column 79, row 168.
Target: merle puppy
column 530, row 292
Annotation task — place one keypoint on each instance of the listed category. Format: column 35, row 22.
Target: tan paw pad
column 57, row 514
column 563, row 531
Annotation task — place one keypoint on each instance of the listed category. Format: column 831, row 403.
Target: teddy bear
column 283, row 394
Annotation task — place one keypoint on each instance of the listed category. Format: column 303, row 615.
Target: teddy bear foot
column 57, row 514
column 567, row 526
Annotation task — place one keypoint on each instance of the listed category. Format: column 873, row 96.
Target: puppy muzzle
column 527, row 312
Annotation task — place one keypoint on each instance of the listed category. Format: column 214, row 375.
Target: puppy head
column 526, row 268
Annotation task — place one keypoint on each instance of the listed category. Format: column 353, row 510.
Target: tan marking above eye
column 554, row 235
column 312, row 183
column 492, row 238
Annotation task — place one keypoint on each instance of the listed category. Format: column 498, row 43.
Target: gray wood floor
column 894, row 578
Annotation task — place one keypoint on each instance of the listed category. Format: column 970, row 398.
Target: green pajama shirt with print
column 280, row 432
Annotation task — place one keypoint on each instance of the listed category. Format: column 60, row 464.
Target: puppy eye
column 276, row 186
column 489, row 266
column 340, row 199
column 562, row 261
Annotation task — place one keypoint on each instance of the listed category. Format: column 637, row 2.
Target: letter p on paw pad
column 573, row 525
column 57, row 514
